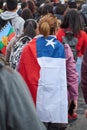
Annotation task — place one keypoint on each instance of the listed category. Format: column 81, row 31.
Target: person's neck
column 12, row 10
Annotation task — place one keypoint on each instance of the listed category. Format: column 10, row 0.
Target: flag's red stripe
column 29, row 68
column 11, row 36
column 3, row 50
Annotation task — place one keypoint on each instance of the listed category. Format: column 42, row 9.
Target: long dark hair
column 30, row 26
column 72, row 20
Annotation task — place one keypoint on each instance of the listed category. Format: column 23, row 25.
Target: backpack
column 17, row 50
column 71, row 41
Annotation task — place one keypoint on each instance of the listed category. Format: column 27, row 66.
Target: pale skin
column 76, row 104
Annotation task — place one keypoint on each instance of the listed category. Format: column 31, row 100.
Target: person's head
column 47, row 8
column 72, row 20
column 31, row 6
column 26, row 14
column 48, row 25
column 60, row 9
column 24, row 5
column 72, row 4
column 39, row 2
column 30, row 28
column 11, row 5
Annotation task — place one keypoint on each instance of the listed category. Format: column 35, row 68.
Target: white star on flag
column 50, row 42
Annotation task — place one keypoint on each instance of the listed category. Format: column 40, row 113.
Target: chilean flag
column 43, row 67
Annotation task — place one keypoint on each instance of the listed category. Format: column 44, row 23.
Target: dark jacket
column 84, row 76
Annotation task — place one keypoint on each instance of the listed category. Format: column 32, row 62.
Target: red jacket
column 82, row 41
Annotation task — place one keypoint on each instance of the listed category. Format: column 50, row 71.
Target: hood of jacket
column 84, row 8
column 8, row 15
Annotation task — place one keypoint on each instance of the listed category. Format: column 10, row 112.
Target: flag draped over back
column 45, row 74
column 6, row 34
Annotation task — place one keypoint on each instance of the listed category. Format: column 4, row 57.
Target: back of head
column 39, row 2
column 26, row 14
column 47, row 8
column 11, row 4
column 60, row 9
column 72, row 20
column 47, row 25
column 31, row 6
column 72, row 4
column 30, row 27
column 23, row 5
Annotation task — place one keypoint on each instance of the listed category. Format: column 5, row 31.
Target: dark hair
column 23, row 5
column 1, row 4
column 72, row 20
column 26, row 14
column 47, row 8
column 39, row 2
column 29, row 28
column 31, row 6
column 60, row 9
column 11, row 4
column 72, row 4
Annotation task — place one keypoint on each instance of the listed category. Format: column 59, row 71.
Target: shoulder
column 68, row 51
column 83, row 33
column 9, row 78
column 20, row 19
column 60, row 33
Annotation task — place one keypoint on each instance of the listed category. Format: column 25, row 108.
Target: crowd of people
column 43, row 62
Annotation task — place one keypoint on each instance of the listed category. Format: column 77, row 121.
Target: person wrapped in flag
column 43, row 66
column 6, row 34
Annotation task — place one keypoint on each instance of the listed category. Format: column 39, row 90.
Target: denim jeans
column 78, row 68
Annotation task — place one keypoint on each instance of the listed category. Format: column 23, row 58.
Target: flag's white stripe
column 51, row 103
